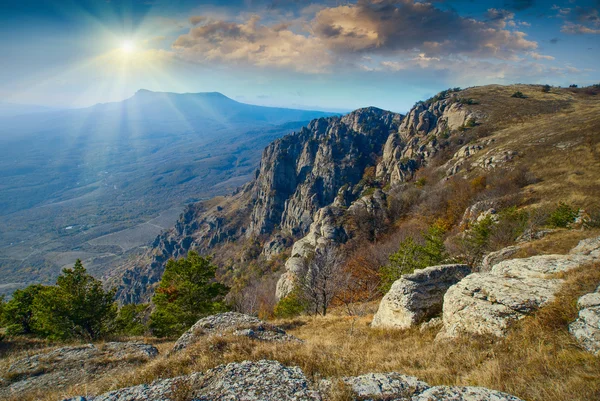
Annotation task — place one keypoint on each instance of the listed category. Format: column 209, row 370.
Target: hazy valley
column 98, row 183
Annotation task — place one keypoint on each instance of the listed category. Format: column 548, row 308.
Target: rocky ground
column 66, row 366
column 271, row 381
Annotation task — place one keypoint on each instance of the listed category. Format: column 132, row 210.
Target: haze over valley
column 97, row 183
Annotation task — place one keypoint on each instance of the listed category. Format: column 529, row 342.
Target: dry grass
column 559, row 242
column 539, row 360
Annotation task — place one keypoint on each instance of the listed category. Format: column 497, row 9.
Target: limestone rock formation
column 69, row 365
column 244, row 381
column 233, row 323
column 488, row 303
column 417, row 138
column 418, row 296
column 587, row 326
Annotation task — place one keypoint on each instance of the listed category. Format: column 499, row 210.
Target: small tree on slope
column 187, row 292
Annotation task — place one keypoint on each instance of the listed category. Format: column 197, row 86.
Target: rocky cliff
column 312, row 186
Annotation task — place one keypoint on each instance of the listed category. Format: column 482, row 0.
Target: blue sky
column 293, row 53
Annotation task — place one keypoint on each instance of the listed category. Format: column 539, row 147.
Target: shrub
column 290, row 306
column 519, row 95
column 546, row 88
column 76, row 307
column 562, row 216
column 412, row 256
column 130, row 320
column 187, row 292
column 470, row 123
column 17, row 315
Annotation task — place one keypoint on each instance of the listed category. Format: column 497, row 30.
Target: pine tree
column 77, row 306
column 17, row 315
column 187, row 292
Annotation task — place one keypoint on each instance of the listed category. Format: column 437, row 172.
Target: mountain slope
column 82, row 176
column 308, row 194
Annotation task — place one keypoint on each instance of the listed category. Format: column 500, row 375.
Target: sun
column 127, row 47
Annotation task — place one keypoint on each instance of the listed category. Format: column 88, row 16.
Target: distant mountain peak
column 147, row 92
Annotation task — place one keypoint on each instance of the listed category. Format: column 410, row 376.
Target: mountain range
column 99, row 182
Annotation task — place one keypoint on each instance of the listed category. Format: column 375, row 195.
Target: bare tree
column 322, row 279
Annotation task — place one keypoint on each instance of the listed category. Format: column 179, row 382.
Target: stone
column 378, row 386
column 69, row 365
column 489, row 302
column 496, row 257
column 586, row 329
column 454, row 393
column 417, row 296
column 237, row 324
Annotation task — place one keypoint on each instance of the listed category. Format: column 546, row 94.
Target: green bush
column 412, row 256
column 130, row 320
column 17, row 314
column 519, row 95
column 562, row 216
column 546, row 88
column 290, row 306
column 187, row 292
column 76, row 307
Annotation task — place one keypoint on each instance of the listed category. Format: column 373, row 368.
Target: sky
column 328, row 54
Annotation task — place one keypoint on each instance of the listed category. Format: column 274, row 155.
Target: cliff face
column 303, row 172
column 307, row 186
column 418, row 137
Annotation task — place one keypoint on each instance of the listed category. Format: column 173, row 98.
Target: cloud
column 251, row 43
column 390, row 26
column 554, row 40
column 340, row 36
column 538, row 56
column 581, row 20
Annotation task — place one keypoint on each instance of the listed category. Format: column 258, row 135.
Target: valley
column 99, row 183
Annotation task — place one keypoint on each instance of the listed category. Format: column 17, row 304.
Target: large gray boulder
column 244, row 381
column 418, row 296
column 232, row 323
column 65, row 366
column 587, row 326
column 489, row 302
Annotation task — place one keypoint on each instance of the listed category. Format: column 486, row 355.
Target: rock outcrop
column 417, row 138
column 488, row 303
column 418, row 296
column 232, row 323
column 587, row 326
column 244, row 381
column 69, row 365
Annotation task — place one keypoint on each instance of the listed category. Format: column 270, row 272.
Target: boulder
column 453, row 393
column 586, row 328
column 418, row 296
column 380, row 386
column 69, row 365
column 233, row 323
column 489, row 302
column 244, row 381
